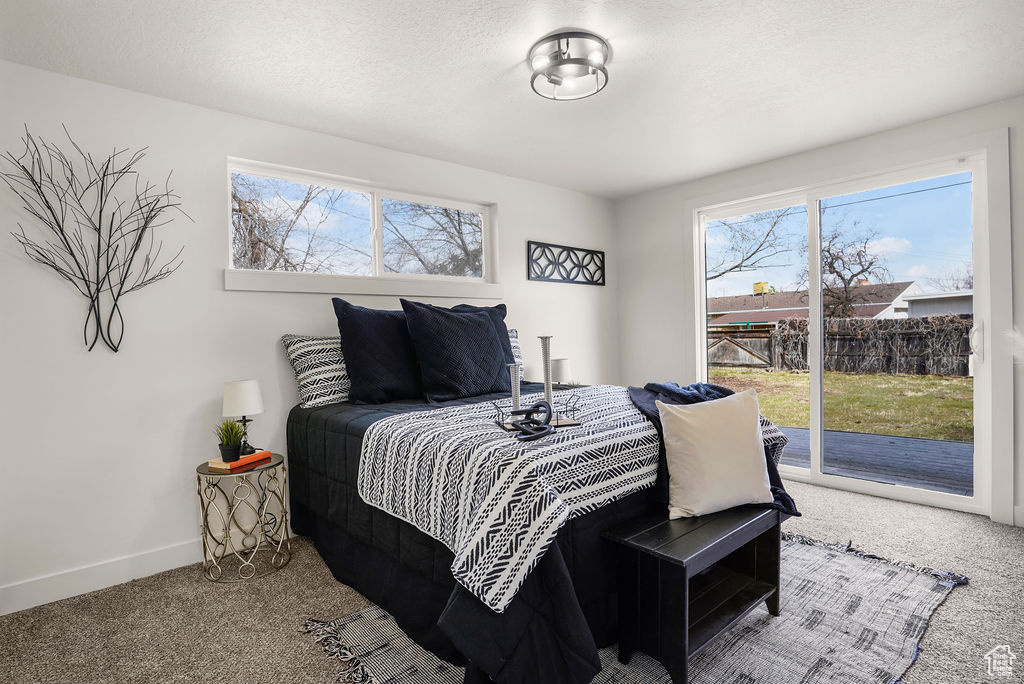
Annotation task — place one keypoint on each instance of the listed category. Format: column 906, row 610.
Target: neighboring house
column 938, row 303
column 764, row 311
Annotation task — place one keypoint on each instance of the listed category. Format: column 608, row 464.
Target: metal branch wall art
column 561, row 264
column 96, row 222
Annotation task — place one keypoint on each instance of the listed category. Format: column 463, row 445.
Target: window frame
column 986, row 155
column 380, row 281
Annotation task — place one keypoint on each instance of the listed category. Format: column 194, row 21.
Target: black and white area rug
column 847, row 617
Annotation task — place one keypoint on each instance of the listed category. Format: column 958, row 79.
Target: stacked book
column 247, row 462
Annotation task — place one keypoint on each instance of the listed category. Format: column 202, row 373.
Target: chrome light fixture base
column 569, row 65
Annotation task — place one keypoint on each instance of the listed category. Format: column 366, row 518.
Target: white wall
column 655, row 250
column 99, row 449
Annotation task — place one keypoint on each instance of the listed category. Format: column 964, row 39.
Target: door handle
column 977, row 341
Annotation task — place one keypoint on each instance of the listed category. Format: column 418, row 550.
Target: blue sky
column 921, row 235
column 346, row 221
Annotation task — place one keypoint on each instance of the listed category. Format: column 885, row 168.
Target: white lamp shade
column 560, row 370
column 242, row 398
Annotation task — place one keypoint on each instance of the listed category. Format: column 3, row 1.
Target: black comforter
column 549, row 633
column 565, row 611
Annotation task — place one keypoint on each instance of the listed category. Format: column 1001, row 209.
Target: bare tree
column 848, row 258
column 278, row 225
column 957, row 278
column 424, row 238
column 752, row 242
column 98, row 219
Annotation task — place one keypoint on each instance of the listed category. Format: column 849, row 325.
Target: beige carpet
column 177, row 627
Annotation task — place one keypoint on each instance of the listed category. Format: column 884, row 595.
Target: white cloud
column 715, row 239
column 889, row 246
column 918, row 271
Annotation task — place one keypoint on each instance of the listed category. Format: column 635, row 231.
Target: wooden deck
column 934, row 464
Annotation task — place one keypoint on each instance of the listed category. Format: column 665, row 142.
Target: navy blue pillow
column 497, row 314
column 379, row 354
column 460, row 353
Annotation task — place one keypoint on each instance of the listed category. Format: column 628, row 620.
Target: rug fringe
column 326, row 633
column 952, row 578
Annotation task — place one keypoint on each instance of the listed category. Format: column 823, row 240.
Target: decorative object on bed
column 379, row 354
column 460, row 353
column 534, row 422
column 98, row 222
column 242, row 398
column 715, row 455
column 498, row 503
column 562, row 264
column 825, row 590
column 514, row 372
column 319, row 368
column 517, row 352
column 229, row 436
column 545, row 356
column 559, row 419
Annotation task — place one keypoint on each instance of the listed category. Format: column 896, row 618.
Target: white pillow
column 715, row 455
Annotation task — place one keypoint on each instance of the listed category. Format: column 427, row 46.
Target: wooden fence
column 931, row 345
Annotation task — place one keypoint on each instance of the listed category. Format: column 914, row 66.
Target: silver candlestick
column 513, row 372
column 545, row 353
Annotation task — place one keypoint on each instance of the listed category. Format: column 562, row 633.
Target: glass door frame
column 993, row 362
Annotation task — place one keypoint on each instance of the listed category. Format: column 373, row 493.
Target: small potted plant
column 230, row 434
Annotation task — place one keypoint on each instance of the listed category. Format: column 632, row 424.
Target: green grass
column 928, row 406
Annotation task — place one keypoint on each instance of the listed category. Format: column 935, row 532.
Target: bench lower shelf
column 718, row 599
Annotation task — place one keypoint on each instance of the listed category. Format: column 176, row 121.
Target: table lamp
column 561, row 372
column 242, row 398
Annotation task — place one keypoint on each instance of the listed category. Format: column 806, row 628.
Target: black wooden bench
column 683, row 582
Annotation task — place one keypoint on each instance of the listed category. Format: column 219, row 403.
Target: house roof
column 878, row 293
column 776, row 315
column 959, row 294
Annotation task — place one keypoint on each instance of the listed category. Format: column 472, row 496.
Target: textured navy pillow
column 379, row 355
column 497, row 314
column 460, row 353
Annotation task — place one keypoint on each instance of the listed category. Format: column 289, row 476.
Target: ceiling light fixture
column 560, row 70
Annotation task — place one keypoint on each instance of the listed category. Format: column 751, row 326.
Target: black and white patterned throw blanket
column 496, row 502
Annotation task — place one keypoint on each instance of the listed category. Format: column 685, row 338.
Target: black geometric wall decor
column 562, row 264
column 95, row 223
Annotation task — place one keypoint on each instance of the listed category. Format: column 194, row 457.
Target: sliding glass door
column 854, row 312
column 897, row 293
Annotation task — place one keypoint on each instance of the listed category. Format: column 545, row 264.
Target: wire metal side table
column 242, row 514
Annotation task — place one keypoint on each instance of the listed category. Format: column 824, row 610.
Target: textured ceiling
column 695, row 87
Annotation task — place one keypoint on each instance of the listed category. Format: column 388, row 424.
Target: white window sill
column 314, row 283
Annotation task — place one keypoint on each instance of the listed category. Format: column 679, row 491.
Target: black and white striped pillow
column 319, row 369
column 517, row 353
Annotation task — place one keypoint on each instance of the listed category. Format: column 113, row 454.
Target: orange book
column 248, row 466
column 219, row 463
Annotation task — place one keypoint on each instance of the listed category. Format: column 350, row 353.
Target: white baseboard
column 59, row 585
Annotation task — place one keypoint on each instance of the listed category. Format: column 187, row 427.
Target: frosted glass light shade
column 242, row 398
column 561, row 372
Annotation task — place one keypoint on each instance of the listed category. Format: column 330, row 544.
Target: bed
column 565, row 610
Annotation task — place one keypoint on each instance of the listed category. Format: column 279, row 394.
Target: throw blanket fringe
column 953, row 579
column 326, row 634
